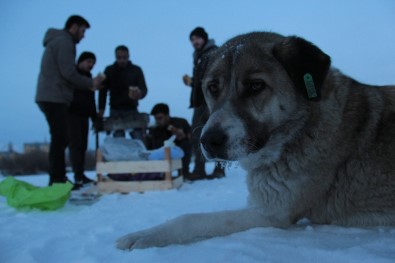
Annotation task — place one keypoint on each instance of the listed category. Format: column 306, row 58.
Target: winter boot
column 82, row 179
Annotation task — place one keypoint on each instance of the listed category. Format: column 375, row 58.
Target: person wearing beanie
column 203, row 46
column 199, row 32
column 82, row 108
column 167, row 126
column 57, row 80
column 85, row 56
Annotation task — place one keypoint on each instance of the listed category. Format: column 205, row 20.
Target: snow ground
column 87, row 233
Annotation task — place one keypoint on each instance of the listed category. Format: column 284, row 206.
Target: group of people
column 65, row 95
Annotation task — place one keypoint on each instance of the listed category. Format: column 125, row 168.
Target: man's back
column 57, row 72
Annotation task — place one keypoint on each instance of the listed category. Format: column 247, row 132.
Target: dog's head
column 258, row 88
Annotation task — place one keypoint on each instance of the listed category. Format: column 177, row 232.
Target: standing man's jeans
column 186, row 146
column 56, row 115
column 78, row 127
column 199, row 119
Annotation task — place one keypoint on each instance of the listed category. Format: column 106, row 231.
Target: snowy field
column 87, row 234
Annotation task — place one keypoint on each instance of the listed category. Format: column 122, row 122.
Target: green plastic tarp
column 23, row 195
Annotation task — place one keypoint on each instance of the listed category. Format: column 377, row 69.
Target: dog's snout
column 214, row 142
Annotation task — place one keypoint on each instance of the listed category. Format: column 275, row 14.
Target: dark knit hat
column 160, row 108
column 86, row 55
column 200, row 32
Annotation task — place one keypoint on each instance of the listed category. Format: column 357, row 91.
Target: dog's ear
column 305, row 63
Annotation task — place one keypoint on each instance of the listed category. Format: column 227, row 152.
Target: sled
column 168, row 166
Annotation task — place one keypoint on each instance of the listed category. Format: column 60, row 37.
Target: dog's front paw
column 166, row 234
column 143, row 239
column 131, row 241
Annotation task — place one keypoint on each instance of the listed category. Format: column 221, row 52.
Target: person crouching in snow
column 167, row 126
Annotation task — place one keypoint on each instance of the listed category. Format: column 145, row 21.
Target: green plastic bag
column 20, row 194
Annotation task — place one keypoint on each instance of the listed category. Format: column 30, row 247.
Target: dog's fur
column 329, row 158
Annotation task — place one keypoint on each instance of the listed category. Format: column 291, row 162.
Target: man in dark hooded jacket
column 82, row 108
column 126, row 85
column 56, row 82
column 203, row 47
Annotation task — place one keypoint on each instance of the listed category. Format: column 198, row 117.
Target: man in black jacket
column 203, row 46
column 167, row 126
column 82, row 108
column 126, row 84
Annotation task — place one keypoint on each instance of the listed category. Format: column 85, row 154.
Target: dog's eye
column 256, row 85
column 213, row 88
column 253, row 87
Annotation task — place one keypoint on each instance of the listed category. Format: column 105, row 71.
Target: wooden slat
column 168, row 159
column 166, row 166
column 138, row 166
column 138, row 186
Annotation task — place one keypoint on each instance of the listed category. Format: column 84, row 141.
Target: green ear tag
column 310, row 87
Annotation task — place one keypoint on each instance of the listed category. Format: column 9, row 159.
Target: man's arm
column 103, row 93
column 141, row 83
column 187, row 129
column 66, row 64
column 188, row 81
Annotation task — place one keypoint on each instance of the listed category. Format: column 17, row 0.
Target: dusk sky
column 359, row 35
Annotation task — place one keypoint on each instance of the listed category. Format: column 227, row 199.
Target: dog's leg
column 194, row 227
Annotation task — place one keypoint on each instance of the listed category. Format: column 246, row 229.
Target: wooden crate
column 167, row 166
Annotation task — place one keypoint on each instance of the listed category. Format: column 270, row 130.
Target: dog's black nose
column 214, row 142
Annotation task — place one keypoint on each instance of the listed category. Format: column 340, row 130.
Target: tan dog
column 315, row 143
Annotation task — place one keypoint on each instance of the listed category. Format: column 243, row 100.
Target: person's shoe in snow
column 195, row 176
column 77, row 186
column 82, row 179
column 60, row 181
